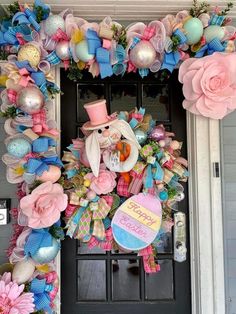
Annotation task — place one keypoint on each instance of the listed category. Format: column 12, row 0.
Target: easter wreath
column 120, row 182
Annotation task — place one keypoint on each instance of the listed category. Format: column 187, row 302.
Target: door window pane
column 82, row 248
column 87, row 93
column 91, row 280
column 123, row 97
column 125, row 280
column 156, row 101
column 160, row 286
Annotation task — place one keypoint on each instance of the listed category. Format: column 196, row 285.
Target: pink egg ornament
column 157, row 133
column 52, row 174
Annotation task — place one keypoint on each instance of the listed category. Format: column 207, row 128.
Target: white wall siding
column 7, row 190
column 228, row 145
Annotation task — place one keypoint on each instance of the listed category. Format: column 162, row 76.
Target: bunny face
column 107, row 136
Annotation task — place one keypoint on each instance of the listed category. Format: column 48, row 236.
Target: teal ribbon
column 120, row 67
column 102, row 54
column 153, row 172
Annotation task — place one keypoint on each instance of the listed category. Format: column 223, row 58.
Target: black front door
column 110, row 283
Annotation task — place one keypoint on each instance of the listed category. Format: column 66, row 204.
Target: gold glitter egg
column 30, row 53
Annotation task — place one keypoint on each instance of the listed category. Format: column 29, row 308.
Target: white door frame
column 205, row 212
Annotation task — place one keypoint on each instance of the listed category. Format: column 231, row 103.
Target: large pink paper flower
column 209, row 85
column 44, row 205
column 104, row 183
column 12, row 298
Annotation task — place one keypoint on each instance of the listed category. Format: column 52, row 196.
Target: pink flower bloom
column 209, row 85
column 12, row 298
column 44, row 205
column 104, row 183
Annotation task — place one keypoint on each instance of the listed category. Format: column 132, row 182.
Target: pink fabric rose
column 209, row 85
column 44, row 205
column 104, row 183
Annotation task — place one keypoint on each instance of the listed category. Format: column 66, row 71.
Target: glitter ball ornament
column 47, row 254
column 81, row 51
column 143, row 55
column 30, row 99
column 53, row 23
column 18, row 147
column 63, row 50
column 30, row 53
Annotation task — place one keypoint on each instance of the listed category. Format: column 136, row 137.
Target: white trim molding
column 206, row 221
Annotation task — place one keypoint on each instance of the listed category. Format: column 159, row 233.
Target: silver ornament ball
column 63, row 50
column 30, row 99
column 141, row 136
column 47, row 254
column 53, row 23
column 143, row 55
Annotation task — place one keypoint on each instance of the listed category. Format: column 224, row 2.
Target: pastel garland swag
column 121, row 181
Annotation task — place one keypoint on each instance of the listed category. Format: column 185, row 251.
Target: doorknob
column 180, row 249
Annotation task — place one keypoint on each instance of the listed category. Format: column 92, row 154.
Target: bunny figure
column 106, row 131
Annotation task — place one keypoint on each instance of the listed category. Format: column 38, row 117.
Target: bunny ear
column 93, row 153
column 126, row 131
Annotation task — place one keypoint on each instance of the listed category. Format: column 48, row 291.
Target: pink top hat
column 97, row 112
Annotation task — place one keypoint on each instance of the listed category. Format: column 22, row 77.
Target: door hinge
column 216, row 169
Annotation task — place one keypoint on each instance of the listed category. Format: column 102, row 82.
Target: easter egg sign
column 137, row 221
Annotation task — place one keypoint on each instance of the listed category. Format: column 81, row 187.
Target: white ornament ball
column 214, row 31
column 23, row 271
column 81, row 51
column 143, row 55
column 30, row 99
column 53, row 23
column 30, row 53
column 63, row 50
column 45, row 255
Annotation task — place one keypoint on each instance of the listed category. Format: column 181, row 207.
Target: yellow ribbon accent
column 19, row 171
column 81, row 65
column 3, row 79
column 43, row 268
column 77, row 36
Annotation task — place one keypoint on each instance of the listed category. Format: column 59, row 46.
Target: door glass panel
column 125, row 280
column 159, row 286
column 156, row 101
column 123, row 97
column 91, row 280
column 164, row 243
column 87, row 93
column 82, row 248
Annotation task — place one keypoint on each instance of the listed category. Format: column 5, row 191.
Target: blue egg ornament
column 18, row 147
column 82, row 53
column 214, row 31
column 193, row 30
column 163, row 195
column 45, row 255
column 141, row 136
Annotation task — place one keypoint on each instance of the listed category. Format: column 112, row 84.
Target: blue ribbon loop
column 41, row 297
column 38, row 238
column 26, row 17
column 210, row 48
column 39, row 165
column 102, row 54
column 170, row 61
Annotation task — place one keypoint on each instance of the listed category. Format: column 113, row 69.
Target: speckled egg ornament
column 30, row 100
column 18, row 147
column 30, row 53
column 193, row 30
column 47, row 254
column 143, row 55
column 81, row 51
column 141, row 136
column 63, row 50
column 53, row 23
